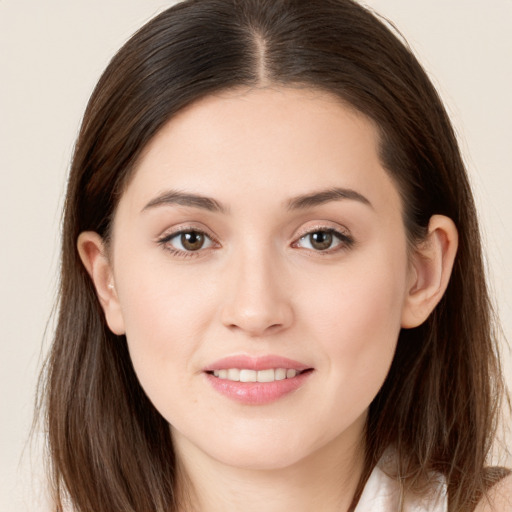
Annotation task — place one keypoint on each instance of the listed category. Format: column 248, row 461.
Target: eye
column 324, row 240
column 186, row 241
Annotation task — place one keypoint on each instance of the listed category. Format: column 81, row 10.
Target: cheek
column 166, row 315
column 159, row 298
column 356, row 318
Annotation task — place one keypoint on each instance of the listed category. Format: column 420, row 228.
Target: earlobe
column 91, row 249
column 431, row 267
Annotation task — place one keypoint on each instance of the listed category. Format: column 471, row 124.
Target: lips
column 256, row 363
column 256, row 380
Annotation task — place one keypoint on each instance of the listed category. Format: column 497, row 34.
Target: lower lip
column 257, row 393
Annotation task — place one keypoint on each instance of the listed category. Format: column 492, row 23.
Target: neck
column 326, row 480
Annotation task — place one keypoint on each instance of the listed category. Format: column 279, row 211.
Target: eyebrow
column 176, row 197
column 324, row 196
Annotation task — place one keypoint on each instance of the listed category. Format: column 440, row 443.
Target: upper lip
column 255, row 363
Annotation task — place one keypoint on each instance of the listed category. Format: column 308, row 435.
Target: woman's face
column 261, row 233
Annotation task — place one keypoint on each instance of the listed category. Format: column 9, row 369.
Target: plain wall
column 53, row 52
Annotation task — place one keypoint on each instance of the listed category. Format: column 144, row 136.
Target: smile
column 257, row 380
column 246, row 375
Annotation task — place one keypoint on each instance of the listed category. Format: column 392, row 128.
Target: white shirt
column 383, row 494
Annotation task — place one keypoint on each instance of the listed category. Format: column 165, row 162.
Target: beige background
column 52, row 53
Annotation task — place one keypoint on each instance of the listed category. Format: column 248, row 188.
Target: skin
column 499, row 498
column 262, row 287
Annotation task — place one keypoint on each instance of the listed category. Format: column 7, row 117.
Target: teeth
column 248, row 376
column 280, row 374
column 234, row 374
column 266, row 376
column 243, row 375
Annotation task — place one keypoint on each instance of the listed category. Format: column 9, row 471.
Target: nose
column 257, row 301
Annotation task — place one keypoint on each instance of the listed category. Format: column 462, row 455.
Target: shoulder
column 498, row 498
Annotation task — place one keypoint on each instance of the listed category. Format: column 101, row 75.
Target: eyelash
column 164, row 242
column 345, row 241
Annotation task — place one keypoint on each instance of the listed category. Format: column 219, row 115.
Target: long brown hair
column 110, row 449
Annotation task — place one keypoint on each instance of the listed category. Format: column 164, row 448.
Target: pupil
column 321, row 240
column 192, row 241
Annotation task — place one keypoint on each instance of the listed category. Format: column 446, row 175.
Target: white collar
column 383, row 493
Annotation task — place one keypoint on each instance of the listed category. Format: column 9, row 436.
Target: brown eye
column 192, row 240
column 321, row 240
column 186, row 242
column 324, row 239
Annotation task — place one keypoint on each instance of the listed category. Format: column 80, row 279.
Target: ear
column 431, row 266
column 91, row 249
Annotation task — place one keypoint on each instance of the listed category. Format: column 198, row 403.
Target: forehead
column 272, row 142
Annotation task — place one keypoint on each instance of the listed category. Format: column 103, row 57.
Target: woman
column 272, row 290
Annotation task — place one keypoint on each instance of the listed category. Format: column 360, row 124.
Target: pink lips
column 256, row 363
column 256, row 393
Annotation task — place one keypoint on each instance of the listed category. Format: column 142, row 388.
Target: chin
column 268, row 449
column 264, row 448
column 260, row 459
